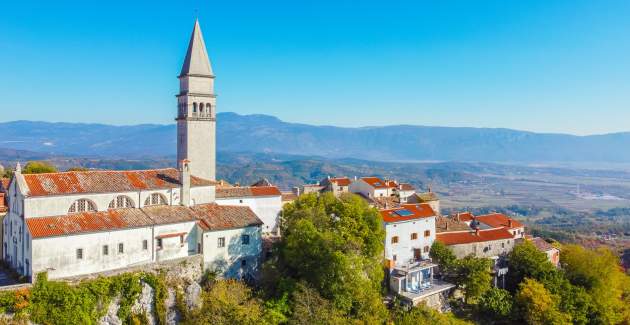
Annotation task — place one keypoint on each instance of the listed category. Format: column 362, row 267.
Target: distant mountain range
column 267, row 134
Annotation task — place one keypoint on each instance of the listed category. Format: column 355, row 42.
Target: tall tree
column 536, row 305
column 335, row 246
column 472, row 274
column 600, row 273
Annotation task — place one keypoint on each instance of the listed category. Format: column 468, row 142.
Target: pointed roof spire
column 196, row 62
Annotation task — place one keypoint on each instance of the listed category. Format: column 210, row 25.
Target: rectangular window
column 427, row 233
column 159, row 243
column 145, row 244
column 245, row 239
column 121, row 248
column 105, row 250
column 181, row 239
column 394, row 257
column 395, row 240
column 414, row 236
column 426, row 249
column 221, row 242
column 79, row 253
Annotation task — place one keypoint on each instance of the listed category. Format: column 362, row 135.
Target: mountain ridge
column 268, row 134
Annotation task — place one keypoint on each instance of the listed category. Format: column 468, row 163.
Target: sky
column 559, row 66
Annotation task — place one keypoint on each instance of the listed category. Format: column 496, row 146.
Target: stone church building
column 83, row 222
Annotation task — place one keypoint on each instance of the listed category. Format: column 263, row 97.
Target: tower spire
column 197, row 61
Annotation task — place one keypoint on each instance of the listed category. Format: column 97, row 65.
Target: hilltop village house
column 76, row 223
column 412, row 222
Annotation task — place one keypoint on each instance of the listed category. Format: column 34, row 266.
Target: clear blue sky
column 549, row 66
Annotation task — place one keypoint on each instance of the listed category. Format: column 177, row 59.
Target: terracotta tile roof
column 375, row 182
column 498, row 220
column 87, row 222
column 446, row 224
column 218, row 217
column 426, row 197
column 289, row 196
column 208, row 217
column 262, row 182
column 406, row 187
column 341, row 181
column 234, row 192
column 106, row 181
column 165, row 214
column 4, row 183
column 391, row 184
column 464, row 216
column 541, row 244
column 407, row 212
column 467, row 237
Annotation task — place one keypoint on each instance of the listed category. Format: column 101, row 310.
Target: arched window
column 208, row 109
column 82, row 205
column 194, row 107
column 120, row 202
column 201, row 108
column 155, row 199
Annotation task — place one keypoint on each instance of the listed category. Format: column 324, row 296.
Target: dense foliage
column 333, row 246
column 38, row 167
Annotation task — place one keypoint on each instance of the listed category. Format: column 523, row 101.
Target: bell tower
column 196, row 110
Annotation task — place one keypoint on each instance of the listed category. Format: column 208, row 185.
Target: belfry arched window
column 194, row 107
column 201, row 108
column 82, row 205
column 121, row 201
column 155, row 199
column 208, row 109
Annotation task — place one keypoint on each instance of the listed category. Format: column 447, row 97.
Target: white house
column 409, row 232
column 265, row 201
column 372, row 187
column 81, row 222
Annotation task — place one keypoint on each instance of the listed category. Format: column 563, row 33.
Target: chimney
column 184, row 177
column 457, row 217
column 446, row 225
column 509, row 223
column 476, row 231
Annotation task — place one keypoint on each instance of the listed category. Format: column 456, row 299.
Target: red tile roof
column 498, row 220
column 467, row 237
column 464, row 216
column 408, row 212
column 208, row 217
column 106, row 181
column 375, row 182
column 219, row 217
column 341, row 181
column 235, row 192
column 87, row 222
column 4, row 183
column 406, row 187
column 289, row 196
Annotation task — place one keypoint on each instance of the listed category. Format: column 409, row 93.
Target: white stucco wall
column 266, row 208
column 58, row 255
column 171, row 246
column 404, row 249
column 227, row 260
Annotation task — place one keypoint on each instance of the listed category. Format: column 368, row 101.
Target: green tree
column 526, row 261
column 598, row 271
column 38, row 167
column 472, row 274
column 228, row 302
column 536, row 305
column 496, row 303
column 422, row 315
column 310, row 308
column 335, row 246
column 443, row 256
